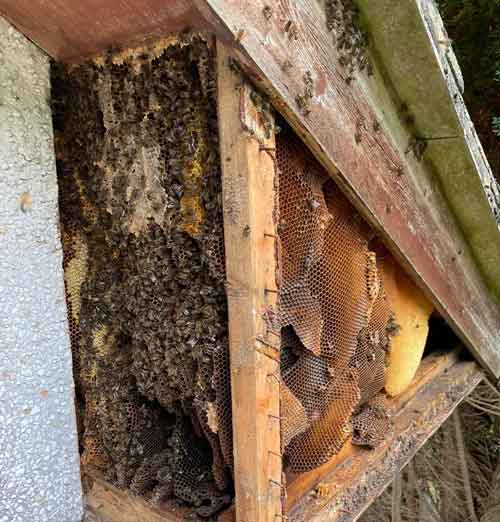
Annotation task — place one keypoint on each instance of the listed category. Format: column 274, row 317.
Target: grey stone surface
column 39, row 465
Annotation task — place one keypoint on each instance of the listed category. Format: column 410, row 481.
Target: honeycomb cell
column 334, row 313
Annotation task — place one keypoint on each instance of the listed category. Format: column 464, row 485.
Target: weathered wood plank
column 397, row 194
column 432, row 92
column 106, row 503
column 356, row 480
column 71, row 29
column 248, row 178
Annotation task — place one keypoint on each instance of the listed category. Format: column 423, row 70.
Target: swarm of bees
column 343, row 21
column 304, row 100
column 140, row 187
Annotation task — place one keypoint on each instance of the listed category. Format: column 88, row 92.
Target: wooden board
column 432, row 93
column 106, row 503
column 397, row 194
column 359, row 475
column 248, row 179
column 71, row 29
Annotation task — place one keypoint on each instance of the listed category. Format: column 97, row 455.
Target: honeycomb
column 413, row 310
column 336, row 321
column 371, row 424
column 136, row 140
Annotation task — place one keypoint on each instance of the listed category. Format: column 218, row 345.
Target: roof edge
column 410, row 42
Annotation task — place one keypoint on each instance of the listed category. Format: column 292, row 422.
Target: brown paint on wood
column 71, row 29
column 407, row 210
column 248, row 177
column 354, row 483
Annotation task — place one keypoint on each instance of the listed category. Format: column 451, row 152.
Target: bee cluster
column 371, row 425
column 141, row 219
column 303, row 101
column 342, row 18
column 417, row 146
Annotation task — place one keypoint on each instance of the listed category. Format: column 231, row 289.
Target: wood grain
column 397, row 194
column 106, row 503
column 248, row 178
column 72, row 29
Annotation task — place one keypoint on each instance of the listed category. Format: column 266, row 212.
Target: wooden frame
column 248, row 182
column 107, row 503
column 72, row 30
column 397, row 194
column 343, row 488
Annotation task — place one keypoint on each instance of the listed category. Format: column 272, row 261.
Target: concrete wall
column 39, row 465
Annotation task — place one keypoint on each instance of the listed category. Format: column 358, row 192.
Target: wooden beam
column 432, row 93
column 72, row 29
column 283, row 45
column 248, row 183
column 106, row 503
column 359, row 476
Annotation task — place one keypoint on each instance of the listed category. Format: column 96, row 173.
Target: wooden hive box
column 399, row 146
